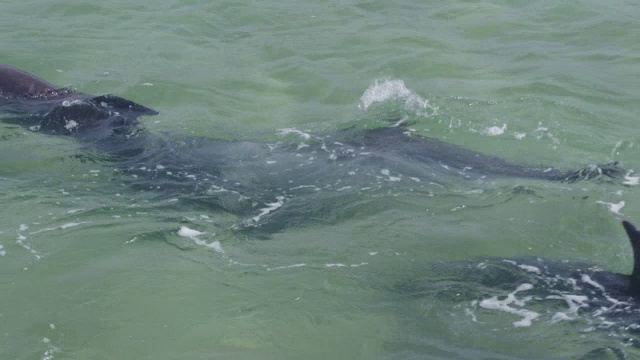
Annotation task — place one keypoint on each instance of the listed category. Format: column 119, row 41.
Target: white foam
column 631, row 180
column 302, row 187
column 61, row 227
column 287, row 131
column 574, row 302
column 193, row 234
column 73, row 211
column 387, row 173
column 339, row 265
column 215, row 189
column 20, row 240
column 23, row 227
column 271, row 207
column 586, row 278
column 49, row 353
column 72, row 224
column 394, row 89
column 560, row 316
column 287, row 267
column 495, row 130
column 503, row 305
column 471, row 313
column 215, row 246
column 189, row 233
column 358, row 265
column 542, row 130
column 613, row 207
column 70, row 125
column 519, row 135
column 529, row 268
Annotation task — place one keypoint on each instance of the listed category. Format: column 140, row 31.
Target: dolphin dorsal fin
column 634, row 239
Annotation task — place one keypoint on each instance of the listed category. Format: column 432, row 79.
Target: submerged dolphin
column 549, row 295
column 521, row 286
column 239, row 176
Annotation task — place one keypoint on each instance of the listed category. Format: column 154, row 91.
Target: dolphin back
column 634, row 239
column 16, row 84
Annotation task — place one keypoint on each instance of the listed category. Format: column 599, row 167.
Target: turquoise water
column 91, row 269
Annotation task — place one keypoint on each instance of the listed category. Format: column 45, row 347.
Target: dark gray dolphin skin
column 234, row 175
column 534, row 291
column 59, row 110
column 42, row 106
column 625, row 288
column 603, row 288
column 15, row 83
column 634, row 238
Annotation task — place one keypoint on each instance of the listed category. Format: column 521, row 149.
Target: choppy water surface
column 400, row 266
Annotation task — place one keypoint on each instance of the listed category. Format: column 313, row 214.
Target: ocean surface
column 91, row 268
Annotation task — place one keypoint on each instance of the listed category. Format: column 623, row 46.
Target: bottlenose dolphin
column 254, row 179
column 497, row 296
column 42, row 106
column 522, row 286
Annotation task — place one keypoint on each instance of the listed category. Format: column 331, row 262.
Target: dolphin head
column 41, row 105
column 106, row 114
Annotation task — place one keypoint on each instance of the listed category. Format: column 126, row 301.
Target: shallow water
column 92, row 269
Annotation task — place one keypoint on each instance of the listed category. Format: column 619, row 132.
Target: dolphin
column 234, row 175
column 496, row 294
column 633, row 281
column 39, row 105
column 15, row 83
column 567, row 290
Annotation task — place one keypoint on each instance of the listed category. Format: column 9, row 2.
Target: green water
column 94, row 270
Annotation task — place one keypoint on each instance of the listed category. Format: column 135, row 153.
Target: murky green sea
column 94, row 269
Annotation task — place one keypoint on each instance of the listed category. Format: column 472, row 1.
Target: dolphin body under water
column 533, row 292
column 237, row 175
column 241, row 176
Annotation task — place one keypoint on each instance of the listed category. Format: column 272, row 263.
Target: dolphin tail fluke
column 634, row 239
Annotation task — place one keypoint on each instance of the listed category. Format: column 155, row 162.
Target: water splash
column 385, row 90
